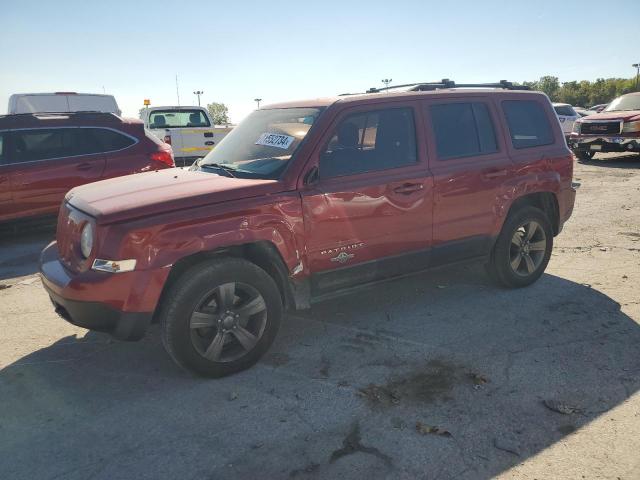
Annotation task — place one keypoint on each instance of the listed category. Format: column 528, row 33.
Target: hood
column 162, row 191
column 630, row 115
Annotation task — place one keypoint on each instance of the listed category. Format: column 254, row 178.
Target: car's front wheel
column 220, row 317
column 523, row 248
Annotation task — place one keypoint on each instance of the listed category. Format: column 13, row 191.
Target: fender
column 527, row 180
column 162, row 240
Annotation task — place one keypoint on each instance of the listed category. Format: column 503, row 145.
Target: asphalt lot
column 440, row 375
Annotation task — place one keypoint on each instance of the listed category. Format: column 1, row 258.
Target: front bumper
column 96, row 300
column 605, row 144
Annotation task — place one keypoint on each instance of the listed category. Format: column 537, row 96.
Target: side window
column 371, row 141
column 42, row 144
column 1, row 148
column 462, row 130
column 528, row 123
column 109, row 140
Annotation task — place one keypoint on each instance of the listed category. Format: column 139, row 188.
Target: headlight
column 576, row 126
column 86, row 240
column 629, row 127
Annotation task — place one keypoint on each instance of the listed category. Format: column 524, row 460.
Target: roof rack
column 66, row 114
column 446, row 83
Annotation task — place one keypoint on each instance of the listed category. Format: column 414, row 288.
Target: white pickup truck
column 189, row 130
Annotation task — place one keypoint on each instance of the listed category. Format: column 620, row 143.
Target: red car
column 43, row 156
column 306, row 199
column 614, row 129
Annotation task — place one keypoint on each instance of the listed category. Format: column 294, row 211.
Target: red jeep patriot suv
column 304, row 199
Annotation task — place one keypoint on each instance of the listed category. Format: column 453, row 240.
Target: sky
column 287, row 50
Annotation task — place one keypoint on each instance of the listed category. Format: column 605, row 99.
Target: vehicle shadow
column 623, row 160
column 503, row 374
column 20, row 248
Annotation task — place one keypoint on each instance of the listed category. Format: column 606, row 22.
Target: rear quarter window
column 528, row 123
column 110, row 140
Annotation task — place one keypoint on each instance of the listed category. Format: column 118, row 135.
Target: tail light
column 167, row 139
column 164, row 155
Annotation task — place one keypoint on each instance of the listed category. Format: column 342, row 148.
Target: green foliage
column 219, row 113
column 583, row 93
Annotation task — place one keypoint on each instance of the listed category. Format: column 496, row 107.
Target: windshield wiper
column 225, row 168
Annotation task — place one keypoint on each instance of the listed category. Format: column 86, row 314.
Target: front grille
column 600, row 128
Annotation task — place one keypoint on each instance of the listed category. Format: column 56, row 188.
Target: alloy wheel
column 228, row 322
column 528, row 247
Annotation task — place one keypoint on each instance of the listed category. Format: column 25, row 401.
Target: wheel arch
column 545, row 201
column 262, row 253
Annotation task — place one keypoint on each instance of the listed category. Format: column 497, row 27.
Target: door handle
column 494, row 173
column 84, row 166
column 408, row 188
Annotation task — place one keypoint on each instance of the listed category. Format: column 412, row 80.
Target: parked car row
column 44, row 155
column 305, row 199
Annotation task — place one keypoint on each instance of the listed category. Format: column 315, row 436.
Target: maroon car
column 306, row 199
column 43, row 156
column 615, row 129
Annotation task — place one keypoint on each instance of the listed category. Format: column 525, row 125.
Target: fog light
column 113, row 266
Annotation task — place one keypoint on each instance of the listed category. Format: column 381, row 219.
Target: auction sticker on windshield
column 275, row 140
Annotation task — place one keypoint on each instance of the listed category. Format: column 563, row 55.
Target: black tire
column 506, row 250
column 202, row 298
column 584, row 155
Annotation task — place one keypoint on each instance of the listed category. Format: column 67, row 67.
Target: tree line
column 583, row 93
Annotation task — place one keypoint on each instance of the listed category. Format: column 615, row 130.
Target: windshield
column 264, row 142
column 625, row 102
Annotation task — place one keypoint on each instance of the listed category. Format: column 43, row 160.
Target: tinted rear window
column 463, row 129
column 528, row 123
column 565, row 110
column 178, row 119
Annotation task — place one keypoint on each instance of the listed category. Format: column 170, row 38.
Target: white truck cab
column 58, row 102
column 189, row 130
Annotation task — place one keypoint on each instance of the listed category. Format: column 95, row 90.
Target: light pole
column 198, row 93
column 386, row 82
column 257, row 100
column 637, row 67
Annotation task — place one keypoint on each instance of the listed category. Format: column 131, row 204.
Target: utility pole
column 637, row 67
column 257, row 100
column 198, row 93
column 177, row 90
column 386, row 82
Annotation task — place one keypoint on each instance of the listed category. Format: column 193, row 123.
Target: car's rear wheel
column 584, row 155
column 523, row 248
column 221, row 317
